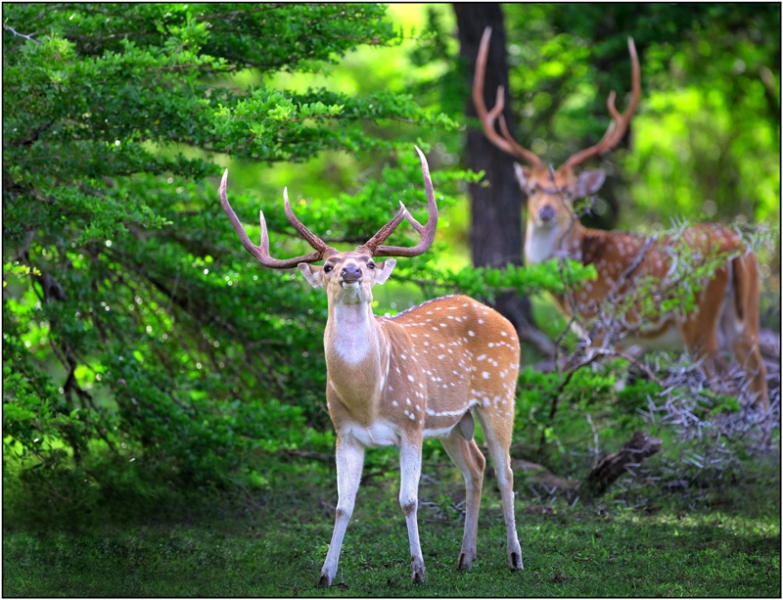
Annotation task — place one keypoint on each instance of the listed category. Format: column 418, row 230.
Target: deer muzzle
column 350, row 274
column 546, row 214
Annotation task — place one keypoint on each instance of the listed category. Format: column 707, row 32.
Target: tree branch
column 21, row 35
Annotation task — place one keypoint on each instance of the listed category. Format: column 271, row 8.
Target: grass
column 273, row 544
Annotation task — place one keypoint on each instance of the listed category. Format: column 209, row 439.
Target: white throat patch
column 353, row 332
column 541, row 243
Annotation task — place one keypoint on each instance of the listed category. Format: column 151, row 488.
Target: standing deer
column 396, row 381
column 726, row 315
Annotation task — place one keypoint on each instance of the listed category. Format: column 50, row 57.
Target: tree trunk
column 496, row 232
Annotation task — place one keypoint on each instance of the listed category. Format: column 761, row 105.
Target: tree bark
column 496, row 232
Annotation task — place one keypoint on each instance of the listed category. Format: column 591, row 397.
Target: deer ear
column 384, row 270
column 312, row 273
column 589, row 182
column 522, row 176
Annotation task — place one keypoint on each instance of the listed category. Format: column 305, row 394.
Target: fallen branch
column 604, row 474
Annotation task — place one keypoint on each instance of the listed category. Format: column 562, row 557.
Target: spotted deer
column 726, row 314
column 399, row 380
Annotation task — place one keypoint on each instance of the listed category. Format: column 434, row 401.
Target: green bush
column 131, row 314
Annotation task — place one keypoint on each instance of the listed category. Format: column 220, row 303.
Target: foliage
column 132, row 317
column 484, row 283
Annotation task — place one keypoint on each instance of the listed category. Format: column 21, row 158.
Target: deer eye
column 371, row 266
column 328, row 268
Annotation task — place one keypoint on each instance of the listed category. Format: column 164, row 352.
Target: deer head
column 550, row 193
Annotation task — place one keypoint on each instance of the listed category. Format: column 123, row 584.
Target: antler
column 618, row 126
column 427, row 232
column 322, row 250
column 505, row 142
column 261, row 252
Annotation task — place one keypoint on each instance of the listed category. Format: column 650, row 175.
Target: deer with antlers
column 396, row 381
column 726, row 312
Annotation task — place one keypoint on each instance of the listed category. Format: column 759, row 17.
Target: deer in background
column 396, row 381
column 726, row 315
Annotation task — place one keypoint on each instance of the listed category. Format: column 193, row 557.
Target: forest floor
column 272, row 543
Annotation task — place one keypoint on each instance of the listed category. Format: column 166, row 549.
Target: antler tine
column 309, row 236
column 427, row 232
column 487, row 118
column 619, row 125
column 261, row 252
column 384, row 232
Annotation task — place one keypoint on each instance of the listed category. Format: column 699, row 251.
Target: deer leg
column 746, row 350
column 700, row 334
column 349, row 459
column 470, row 461
column 715, row 369
column 410, row 473
column 745, row 342
column 498, row 440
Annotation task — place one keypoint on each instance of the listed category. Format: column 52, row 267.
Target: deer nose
column 546, row 214
column 351, row 274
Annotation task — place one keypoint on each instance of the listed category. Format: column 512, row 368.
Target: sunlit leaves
column 486, row 282
column 125, row 284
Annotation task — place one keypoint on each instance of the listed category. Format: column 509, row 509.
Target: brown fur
column 613, row 253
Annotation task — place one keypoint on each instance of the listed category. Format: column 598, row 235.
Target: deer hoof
column 515, row 561
column 465, row 562
column 417, row 569
column 324, row 580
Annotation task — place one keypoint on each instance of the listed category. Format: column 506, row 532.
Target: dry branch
column 604, row 474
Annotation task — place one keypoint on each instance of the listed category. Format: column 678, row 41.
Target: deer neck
column 357, row 358
column 560, row 239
